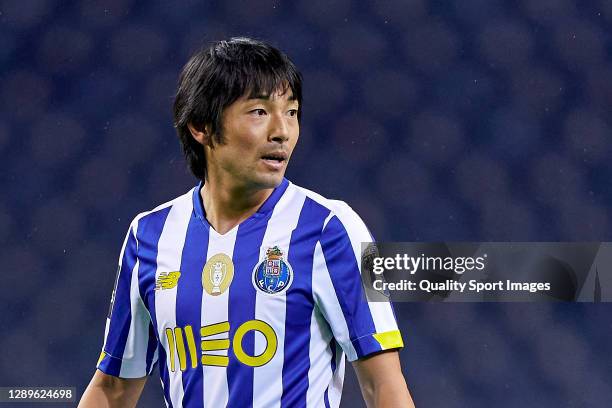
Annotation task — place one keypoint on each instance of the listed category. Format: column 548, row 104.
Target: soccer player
column 246, row 290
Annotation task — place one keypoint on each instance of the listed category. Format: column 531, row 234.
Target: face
column 259, row 136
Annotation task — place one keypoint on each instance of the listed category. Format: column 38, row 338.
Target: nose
column 279, row 129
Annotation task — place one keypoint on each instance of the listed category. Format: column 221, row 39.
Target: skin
column 382, row 382
column 238, row 181
column 106, row 391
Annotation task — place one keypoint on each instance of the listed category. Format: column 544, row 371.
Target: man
column 246, row 290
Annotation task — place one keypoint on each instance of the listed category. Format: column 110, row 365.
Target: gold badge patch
column 217, row 274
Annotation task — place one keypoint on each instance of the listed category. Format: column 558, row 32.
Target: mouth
column 275, row 160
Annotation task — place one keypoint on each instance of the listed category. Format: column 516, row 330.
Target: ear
column 201, row 136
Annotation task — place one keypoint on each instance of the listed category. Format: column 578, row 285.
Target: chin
column 270, row 180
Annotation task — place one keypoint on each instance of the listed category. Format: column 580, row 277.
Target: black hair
column 215, row 77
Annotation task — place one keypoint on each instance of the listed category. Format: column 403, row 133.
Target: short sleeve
column 360, row 327
column 130, row 346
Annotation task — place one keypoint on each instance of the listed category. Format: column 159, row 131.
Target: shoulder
column 341, row 215
column 182, row 203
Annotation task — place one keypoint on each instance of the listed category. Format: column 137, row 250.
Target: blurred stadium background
column 436, row 120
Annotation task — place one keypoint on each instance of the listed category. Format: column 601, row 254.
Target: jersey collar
column 265, row 209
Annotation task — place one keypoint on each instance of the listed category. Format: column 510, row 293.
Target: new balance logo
column 167, row 280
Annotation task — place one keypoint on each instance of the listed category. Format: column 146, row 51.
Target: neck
column 227, row 206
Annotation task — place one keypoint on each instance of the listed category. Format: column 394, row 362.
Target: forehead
column 279, row 94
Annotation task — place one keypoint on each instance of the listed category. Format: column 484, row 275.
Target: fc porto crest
column 273, row 275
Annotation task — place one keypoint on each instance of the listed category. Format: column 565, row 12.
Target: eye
column 258, row 112
column 293, row 112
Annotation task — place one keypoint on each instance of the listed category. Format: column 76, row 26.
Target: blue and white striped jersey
column 261, row 316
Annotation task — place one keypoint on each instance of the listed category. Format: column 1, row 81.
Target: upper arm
column 130, row 345
column 359, row 326
column 108, row 391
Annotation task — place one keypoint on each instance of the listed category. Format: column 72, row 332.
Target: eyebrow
column 266, row 97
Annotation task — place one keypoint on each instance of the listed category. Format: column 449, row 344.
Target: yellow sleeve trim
column 102, row 355
column 389, row 340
